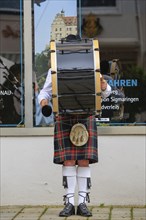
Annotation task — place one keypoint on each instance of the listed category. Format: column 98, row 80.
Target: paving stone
column 27, row 217
column 77, row 217
column 121, row 214
column 121, row 218
column 52, row 214
column 30, row 213
column 100, row 213
column 95, row 217
column 139, row 214
column 9, row 212
column 53, row 218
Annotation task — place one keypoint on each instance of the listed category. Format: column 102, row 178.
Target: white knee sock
column 69, row 172
column 83, row 173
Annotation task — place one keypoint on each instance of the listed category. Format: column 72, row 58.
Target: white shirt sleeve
column 46, row 91
column 107, row 92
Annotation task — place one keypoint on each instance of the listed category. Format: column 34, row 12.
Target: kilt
column 65, row 150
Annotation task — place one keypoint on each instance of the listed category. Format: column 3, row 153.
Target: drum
column 75, row 72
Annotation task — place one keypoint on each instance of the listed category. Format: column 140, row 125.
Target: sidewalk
column 51, row 213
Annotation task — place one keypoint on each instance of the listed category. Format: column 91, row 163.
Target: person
column 75, row 161
column 117, row 93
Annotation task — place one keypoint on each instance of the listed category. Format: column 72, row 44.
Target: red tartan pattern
column 65, row 150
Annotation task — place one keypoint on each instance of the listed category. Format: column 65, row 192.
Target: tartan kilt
column 65, row 150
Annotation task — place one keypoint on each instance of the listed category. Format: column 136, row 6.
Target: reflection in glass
column 11, row 64
column 122, row 44
column 122, row 39
column 53, row 20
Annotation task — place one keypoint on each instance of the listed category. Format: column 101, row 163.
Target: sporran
column 79, row 135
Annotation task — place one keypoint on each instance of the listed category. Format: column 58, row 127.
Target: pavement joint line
column 43, row 213
column 18, row 213
column 90, row 206
column 110, row 213
column 131, row 213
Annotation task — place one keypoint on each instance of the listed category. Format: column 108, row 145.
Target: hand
column 46, row 110
column 103, row 84
column 44, row 102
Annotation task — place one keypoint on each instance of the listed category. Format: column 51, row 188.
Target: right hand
column 44, row 102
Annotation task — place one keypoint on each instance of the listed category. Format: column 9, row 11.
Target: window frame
column 105, row 10
column 98, row 3
column 29, row 130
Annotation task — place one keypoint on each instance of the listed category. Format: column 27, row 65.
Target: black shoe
column 68, row 210
column 83, row 210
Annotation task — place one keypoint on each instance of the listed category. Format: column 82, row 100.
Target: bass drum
column 76, row 77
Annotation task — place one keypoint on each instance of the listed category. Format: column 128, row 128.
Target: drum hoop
column 79, row 135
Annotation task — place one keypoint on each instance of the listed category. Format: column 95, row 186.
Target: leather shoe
column 83, row 210
column 68, row 210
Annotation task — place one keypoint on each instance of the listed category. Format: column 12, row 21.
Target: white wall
column 28, row 175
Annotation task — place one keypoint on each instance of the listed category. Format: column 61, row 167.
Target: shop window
column 129, row 78
column 11, row 64
column 126, row 105
column 46, row 14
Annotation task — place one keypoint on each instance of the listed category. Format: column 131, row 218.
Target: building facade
column 27, row 151
column 62, row 26
column 121, row 28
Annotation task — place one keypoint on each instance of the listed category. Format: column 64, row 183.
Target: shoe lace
column 86, row 198
column 67, row 197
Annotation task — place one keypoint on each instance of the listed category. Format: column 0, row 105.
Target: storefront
column 24, row 54
column 25, row 48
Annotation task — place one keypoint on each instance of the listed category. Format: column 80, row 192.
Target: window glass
column 11, row 64
column 121, row 58
column 120, row 61
column 51, row 20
